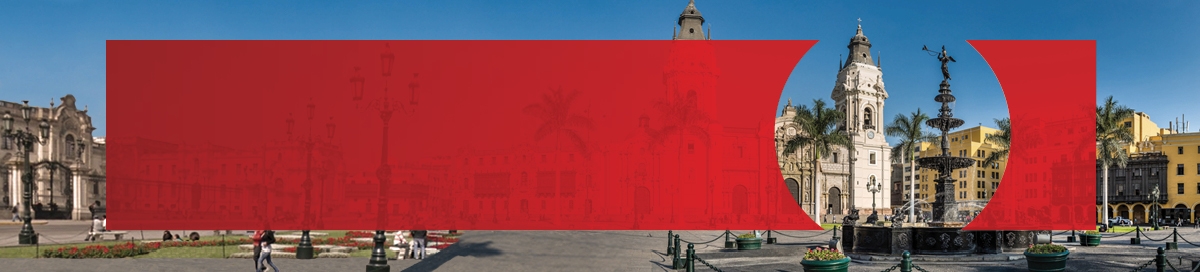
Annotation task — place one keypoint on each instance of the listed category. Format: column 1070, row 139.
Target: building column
column 77, row 197
column 15, row 187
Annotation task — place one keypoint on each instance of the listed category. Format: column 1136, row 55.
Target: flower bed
column 360, row 234
column 101, row 251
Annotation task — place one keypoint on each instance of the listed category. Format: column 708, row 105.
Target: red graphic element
column 533, row 135
column 509, row 135
column 1050, row 180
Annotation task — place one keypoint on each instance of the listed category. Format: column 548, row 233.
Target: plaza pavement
column 603, row 251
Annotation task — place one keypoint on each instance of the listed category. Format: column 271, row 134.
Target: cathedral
column 846, row 178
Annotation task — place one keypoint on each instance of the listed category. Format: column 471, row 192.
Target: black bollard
column 770, row 240
column 670, row 249
column 1175, row 238
column 675, row 263
column 1137, row 239
column 691, row 258
column 729, row 243
column 1160, row 260
column 906, row 263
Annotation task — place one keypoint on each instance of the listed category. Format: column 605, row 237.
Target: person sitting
column 97, row 226
column 177, row 238
column 194, row 236
column 167, row 236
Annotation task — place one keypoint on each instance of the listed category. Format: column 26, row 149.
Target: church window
column 691, row 30
column 872, row 157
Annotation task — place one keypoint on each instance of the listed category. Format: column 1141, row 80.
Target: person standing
column 16, row 213
column 419, row 244
column 267, row 240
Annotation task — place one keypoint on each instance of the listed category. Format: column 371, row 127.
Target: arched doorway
column 1122, row 211
column 793, row 186
column 835, row 200
column 1139, row 214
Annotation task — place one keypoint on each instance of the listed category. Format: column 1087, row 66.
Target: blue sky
column 1147, row 52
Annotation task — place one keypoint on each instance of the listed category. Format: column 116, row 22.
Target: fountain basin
column 933, row 240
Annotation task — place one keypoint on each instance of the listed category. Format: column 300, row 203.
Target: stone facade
column 78, row 178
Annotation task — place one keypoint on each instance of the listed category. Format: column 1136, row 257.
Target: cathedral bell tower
column 690, row 24
column 860, row 94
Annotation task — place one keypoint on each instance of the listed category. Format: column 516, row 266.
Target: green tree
column 818, row 132
column 558, row 119
column 1112, row 142
column 909, row 130
column 681, row 117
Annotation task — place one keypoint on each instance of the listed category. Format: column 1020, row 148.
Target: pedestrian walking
column 257, row 237
column 16, row 213
column 419, row 244
column 267, row 240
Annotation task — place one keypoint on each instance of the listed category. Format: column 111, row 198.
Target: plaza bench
column 99, row 235
column 401, row 251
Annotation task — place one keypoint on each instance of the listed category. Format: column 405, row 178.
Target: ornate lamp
column 291, row 123
column 44, row 128
column 356, row 84
column 386, row 59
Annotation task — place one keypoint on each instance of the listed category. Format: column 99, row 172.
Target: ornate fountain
column 944, row 235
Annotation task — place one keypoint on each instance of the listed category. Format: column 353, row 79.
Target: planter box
column 842, row 265
column 1089, row 240
column 749, row 244
column 1047, row 262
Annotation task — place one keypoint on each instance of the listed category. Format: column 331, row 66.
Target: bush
column 1046, row 249
column 747, row 236
column 1091, row 232
column 823, row 254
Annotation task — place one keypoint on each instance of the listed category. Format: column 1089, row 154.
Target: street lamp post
column 386, row 107
column 305, row 249
column 1154, row 209
column 873, row 187
column 25, row 140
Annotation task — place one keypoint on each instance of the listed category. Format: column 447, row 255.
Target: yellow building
column 1146, row 134
column 1183, row 175
column 976, row 184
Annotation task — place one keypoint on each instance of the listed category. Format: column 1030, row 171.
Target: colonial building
column 69, row 165
column 842, row 184
column 1130, row 187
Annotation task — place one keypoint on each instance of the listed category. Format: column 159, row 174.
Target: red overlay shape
column 1049, row 182
column 501, row 135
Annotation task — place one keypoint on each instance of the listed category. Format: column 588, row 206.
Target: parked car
column 1120, row 221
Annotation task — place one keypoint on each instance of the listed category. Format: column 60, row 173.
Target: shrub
column 1046, row 249
column 747, row 236
column 823, row 254
column 1091, row 232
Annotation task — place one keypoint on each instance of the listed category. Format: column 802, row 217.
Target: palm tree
column 1002, row 140
column 682, row 116
column 558, row 119
column 1112, row 140
column 820, row 133
column 909, row 130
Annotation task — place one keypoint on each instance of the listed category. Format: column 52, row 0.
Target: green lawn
column 173, row 252
column 830, row 226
